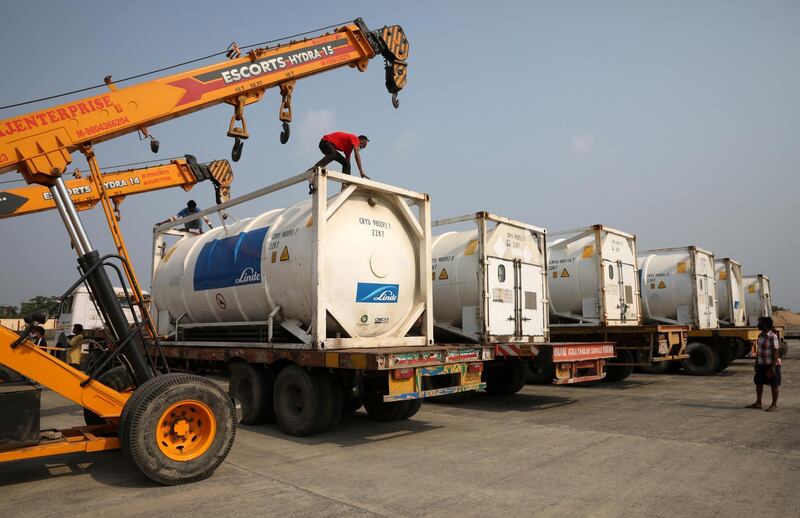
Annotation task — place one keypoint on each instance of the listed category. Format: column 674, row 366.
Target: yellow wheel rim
column 186, row 430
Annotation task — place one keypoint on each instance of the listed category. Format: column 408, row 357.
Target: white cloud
column 582, row 145
column 312, row 126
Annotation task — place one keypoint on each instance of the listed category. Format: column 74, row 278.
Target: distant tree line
column 49, row 303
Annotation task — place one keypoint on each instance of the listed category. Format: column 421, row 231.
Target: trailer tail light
column 402, row 374
column 473, row 368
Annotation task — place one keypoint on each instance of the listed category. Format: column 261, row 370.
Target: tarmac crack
column 304, row 490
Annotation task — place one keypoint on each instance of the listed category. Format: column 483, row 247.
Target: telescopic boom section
column 39, row 144
column 85, row 194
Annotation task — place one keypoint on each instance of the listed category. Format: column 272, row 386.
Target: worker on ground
column 194, row 226
column 768, row 363
column 74, row 346
column 37, row 336
column 347, row 143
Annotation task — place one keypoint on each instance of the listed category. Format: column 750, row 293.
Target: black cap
column 363, row 137
column 191, row 204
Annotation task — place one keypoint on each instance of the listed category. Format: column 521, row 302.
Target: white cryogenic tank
column 757, row 298
column 730, row 293
column 678, row 287
column 369, row 278
column 514, row 308
column 592, row 277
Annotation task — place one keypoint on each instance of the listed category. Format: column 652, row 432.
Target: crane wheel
column 177, row 428
column 116, row 378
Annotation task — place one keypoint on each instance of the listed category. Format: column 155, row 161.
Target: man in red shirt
column 332, row 143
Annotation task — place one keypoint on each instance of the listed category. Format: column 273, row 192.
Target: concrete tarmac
column 654, row 445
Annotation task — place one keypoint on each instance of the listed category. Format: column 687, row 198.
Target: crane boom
column 183, row 172
column 39, row 144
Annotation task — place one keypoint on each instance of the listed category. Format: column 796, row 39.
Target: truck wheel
column 743, row 348
column 504, row 377
column 252, row 386
column 619, row 372
column 379, row 410
column 177, row 428
column 657, row 367
column 702, row 361
column 302, row 401
column 116, row 378
column 726, row 357
column 539, row 370
column 351, row 402
column 334, row 406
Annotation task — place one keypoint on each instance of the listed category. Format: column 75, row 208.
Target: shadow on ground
column 108, row 468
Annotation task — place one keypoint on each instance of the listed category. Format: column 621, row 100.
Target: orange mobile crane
column 180, row 172
column 175, row 428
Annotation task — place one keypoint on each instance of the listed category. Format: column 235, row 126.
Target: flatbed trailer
column 490, row 288
column 646, row 346
column 303, row 367
column 393, row 373
column 557, row 363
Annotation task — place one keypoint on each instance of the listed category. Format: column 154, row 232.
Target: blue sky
column 677, row 121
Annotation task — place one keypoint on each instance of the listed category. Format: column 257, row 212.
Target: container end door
column 532, row 289
column 612, row 298
column 501, row 310
column 628, row 280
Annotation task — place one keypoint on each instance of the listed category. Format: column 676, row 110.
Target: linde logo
column 377, row 293
column 248, row 276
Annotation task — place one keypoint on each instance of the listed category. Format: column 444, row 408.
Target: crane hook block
column 236, row 152
column 285, row 133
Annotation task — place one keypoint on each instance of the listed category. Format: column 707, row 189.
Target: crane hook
column 395, row 101
column 236, row 152
column 285, row 133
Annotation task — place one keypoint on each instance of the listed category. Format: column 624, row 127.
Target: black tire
column 351, row 403
column 657, row 367
column 702, row 361
column 726, row 356
column 614, row 372
column 379, row 410
column 743, row 349
column 504, row 377
column 335, row 401
column 539, row 370
column 252, row 386
column 141, row 418
column 116, row 378
column 303, row 401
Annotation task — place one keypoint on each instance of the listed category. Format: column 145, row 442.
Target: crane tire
column 177, row 428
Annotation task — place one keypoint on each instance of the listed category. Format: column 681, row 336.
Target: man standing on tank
column 347, row 143
column 768, row 363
